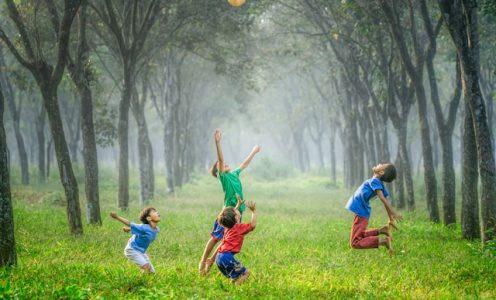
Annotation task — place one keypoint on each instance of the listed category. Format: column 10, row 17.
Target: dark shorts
column 229, row 266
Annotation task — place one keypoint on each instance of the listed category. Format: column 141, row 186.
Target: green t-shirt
column 232, row 185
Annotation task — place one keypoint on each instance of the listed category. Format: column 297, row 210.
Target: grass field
column 299, row 249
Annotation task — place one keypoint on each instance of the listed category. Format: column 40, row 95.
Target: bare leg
column 210, row 261
column 208, row 248
column 242, row 278
column 387, row 243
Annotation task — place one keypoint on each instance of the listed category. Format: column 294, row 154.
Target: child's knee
column 355, row 244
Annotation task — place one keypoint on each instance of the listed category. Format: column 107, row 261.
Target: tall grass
column 299, row 249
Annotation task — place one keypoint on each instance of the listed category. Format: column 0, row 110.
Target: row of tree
column 133, row 41
column 378, row 59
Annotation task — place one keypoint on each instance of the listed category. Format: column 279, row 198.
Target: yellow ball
column 236, row 3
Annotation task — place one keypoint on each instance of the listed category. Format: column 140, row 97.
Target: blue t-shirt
column 359, row 202
column 143, row 236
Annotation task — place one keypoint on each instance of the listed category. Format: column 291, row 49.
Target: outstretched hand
column 251, row 206
column 114, row 215
column 393, row 219
column 256, row 149
column 217, row 135
column 397, row 217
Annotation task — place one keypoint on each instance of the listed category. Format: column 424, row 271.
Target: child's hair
column 227, row 217
column 388, row 172
column 213, row 170
column 145, row 213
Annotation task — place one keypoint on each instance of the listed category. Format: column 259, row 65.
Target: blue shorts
column 229, row 266
column 218, row 230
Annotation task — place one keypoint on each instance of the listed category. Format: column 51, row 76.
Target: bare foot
column 242, row 278
column 386, row 229
column 201, row 267
column 392, row 225
column 208, row 265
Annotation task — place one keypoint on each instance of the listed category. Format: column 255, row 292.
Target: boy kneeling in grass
column 232, row 242
column 142, row 236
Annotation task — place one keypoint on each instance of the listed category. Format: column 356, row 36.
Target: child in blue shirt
column 142, row 236
column 361, row 237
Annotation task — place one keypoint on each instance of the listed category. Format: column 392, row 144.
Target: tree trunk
column 40, row 133
column 399, row 182
column 178, row 163
column 145, row 151
column 15, row 112
column 67, row 177
column 74, row 140
column 169, row 153
column 332, row 149
column 123, row 137
column 429, row 172
column 48, row 157
column 407, row 175
column 470, row 203
column 81, row 77
column 90, row 156
column 8, row 255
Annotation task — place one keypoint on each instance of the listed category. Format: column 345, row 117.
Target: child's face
column 226, row 168
column 154, row 216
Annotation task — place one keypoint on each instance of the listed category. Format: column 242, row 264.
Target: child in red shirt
column 232, row 242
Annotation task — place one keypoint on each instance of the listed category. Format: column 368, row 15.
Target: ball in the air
column 236, row 3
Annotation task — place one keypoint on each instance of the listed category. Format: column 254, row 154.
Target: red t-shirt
column 233, row 238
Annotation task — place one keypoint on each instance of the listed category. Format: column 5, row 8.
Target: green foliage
column 488, row 7
column 299, row 249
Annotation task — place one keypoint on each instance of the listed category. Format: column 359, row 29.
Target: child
column 142, row 236
column 361, row 238
column 232, row 242
column 231, row 185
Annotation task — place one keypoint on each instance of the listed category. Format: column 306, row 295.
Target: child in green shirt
column 231, row 185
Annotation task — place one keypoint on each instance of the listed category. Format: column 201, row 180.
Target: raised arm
column 220, row 157
column 389, row 209
column 253, row 222
column 120, row 219
column 240, row 202
column 250, row 156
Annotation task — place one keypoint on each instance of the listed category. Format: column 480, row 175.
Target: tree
column 15, row 111
column 81, row 74
column 461, row 18
column 7, row 241
column 414, row 68
column 48, row 77
column 446, row 124
column 129, row 23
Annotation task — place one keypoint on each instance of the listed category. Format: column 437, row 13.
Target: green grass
column 299, row 249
